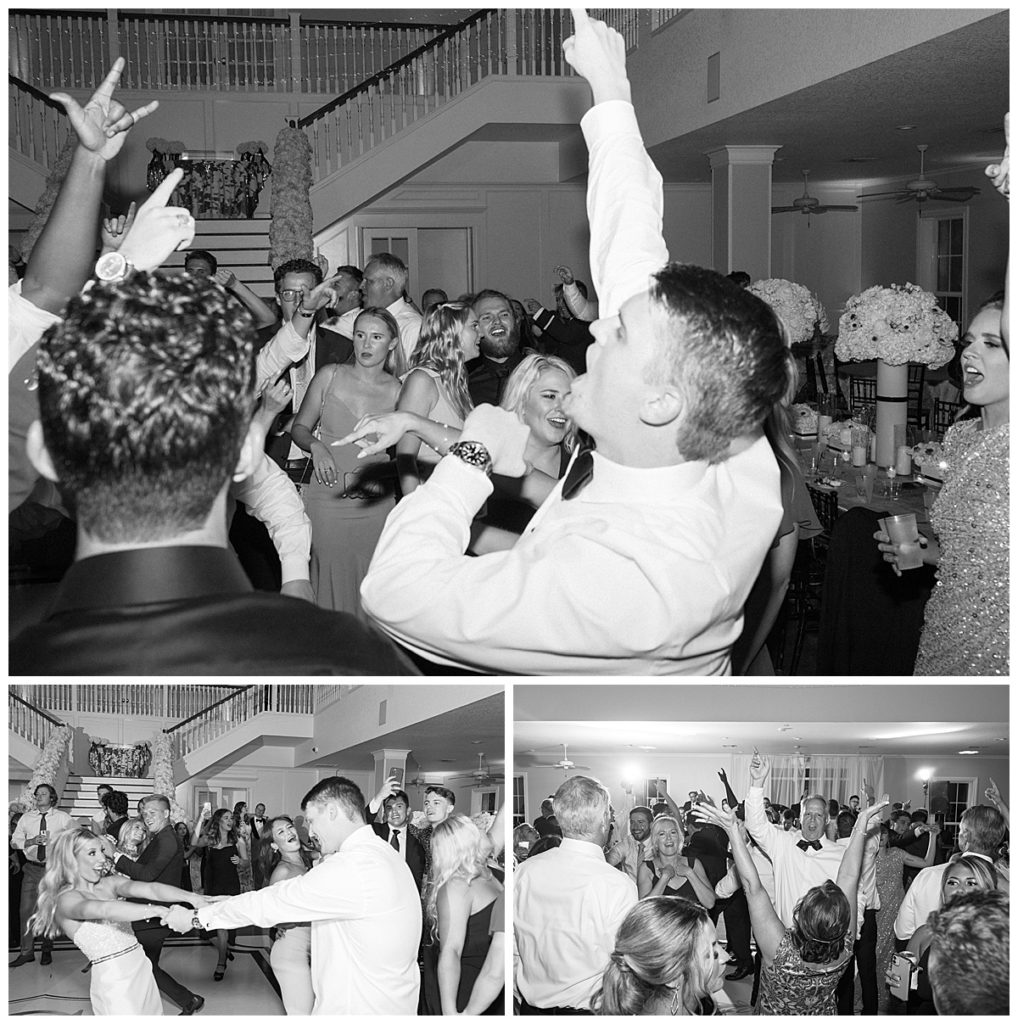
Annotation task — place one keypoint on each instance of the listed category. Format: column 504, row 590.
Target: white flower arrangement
column 804, row 420
column 290, row 231
column 833, row 432
column 795, row 305
column 48, row 765
column 162, row 774
column 928, row 459
column 900, row 324
column 252, row 147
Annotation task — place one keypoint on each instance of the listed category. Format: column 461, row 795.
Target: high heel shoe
column 229, row 956
column 220, row 972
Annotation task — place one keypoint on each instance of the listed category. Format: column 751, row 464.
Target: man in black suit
column 161, row 861
column 396, row 832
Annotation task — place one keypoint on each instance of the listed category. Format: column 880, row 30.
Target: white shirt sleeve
column 729, row 885
column 20, row 836
column 756, row 821
column 581, row 308
column 272, row 498
column 285, row 347
column 625, row 204
column 907, row 921
column 26, row 324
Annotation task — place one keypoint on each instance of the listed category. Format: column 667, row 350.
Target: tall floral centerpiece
column 290, row 232
column 897, row 325
column 162, row 775
column 48, row 766
column 798, row 309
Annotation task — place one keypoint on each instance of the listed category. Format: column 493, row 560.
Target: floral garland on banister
column 900, row 324
column 46, row 769
column 801, row 312
column 162, row 775
column 290, row 232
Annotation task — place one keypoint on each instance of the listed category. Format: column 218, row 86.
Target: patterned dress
column 791, row 986
column 890, row 861
column 966, row 626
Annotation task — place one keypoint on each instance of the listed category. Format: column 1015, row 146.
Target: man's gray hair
column 391, row 266
column 581, row 805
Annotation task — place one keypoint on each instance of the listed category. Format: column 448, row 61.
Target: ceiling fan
column 565, row 764
column 808, row 204
column 922, row 188
column 482, row 774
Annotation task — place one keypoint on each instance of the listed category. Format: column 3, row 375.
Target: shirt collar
column 149, row 576
column 582, row 848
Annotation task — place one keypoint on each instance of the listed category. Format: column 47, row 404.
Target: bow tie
column 581, row 472
column 805, row 844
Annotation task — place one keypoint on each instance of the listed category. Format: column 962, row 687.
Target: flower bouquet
column 162, row 774
column 798, row 309
column 928, row 459
column 804, row 420
column 48, row 765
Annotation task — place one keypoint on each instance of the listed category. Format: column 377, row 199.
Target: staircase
column 241, row 246
column 80, row 801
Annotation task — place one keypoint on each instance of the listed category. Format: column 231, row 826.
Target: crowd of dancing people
column 574, row 496
column 619, row 920
column 368, row 909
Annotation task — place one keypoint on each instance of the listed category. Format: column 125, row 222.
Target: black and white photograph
column 538, row 341
column 778, row 850
column 257, row 850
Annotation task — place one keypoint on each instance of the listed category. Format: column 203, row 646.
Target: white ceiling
column 679, row 719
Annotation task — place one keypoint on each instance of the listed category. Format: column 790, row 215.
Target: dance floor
column 61, row 989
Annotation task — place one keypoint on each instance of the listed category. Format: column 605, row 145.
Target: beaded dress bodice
column 98, row 939
column 966, row 626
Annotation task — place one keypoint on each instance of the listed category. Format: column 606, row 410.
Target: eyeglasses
column 289, row 294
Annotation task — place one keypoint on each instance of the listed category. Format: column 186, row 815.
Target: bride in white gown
column 79, row 900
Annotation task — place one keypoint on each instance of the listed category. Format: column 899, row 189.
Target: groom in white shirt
column 361, row 900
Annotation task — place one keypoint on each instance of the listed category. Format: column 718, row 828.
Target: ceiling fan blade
column 874, row 195
column 907, row 199
column 784, row 209
column 823, row 209
column 559, row 765
column 960, row 194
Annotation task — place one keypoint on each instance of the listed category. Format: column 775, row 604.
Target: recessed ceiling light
column 728, row 746
column 968, row 751
column 784, row 728
column 796, row 737
column 904, row 127
column 859, row 160
column 476, row 742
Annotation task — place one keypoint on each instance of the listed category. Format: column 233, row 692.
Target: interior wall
column 901, row 775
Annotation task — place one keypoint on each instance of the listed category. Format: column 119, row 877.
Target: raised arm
column 733, row 800
column 931, row 851
column 851, row 862
column 993, row 795
column 756, row 820
column 264, row 315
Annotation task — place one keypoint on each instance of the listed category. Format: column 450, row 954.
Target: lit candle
column 858, row 455
column 823, row 422
column 903, row 463
column 846, row 436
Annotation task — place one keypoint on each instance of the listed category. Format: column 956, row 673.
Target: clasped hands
column 180, row 918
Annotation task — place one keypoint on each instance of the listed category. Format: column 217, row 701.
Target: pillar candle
column 903, row 463
column 846, row 436
column 858, row 455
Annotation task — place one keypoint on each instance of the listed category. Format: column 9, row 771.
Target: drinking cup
column 904, row 533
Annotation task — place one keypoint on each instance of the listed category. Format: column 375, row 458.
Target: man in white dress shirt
column 384, row 285
column 361, row 900
column 801, row 859
column 645, row 570
column 631, row 851
column 569, row 904
column 980, row 833
column 36, row 829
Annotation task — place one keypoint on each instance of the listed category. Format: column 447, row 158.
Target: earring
column 676, row 1003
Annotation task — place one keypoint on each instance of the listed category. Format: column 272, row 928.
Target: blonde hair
column 395, row 361
column 127, row 848
column 440, row 348
column 61, row 876
column 525, row 376
column 678, row 828
column 458, row 850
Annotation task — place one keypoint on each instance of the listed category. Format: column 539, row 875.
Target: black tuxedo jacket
column 414, row 850
column 161, row 861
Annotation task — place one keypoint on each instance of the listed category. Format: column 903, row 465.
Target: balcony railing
column 154, row 700
column 239, row 707
column 36, row 126
column 73, row 49
column 29, row 722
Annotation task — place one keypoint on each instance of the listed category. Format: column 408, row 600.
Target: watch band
column 195, row 923
column 301, row 311
column 473, row 453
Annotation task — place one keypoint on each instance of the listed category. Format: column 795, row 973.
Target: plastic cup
column 904, row 533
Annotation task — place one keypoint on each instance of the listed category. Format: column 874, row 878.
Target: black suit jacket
column 567, row 339
column 161, row 861
column 414, row 850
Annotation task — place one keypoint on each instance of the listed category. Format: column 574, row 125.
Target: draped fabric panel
column 831, row 776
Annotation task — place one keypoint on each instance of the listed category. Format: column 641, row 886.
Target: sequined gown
column 122, row 984
column 966, row 626
column 891, row 892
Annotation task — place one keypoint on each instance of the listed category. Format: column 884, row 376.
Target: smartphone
column 902, row 972
column 206, row 807
column 397, row 774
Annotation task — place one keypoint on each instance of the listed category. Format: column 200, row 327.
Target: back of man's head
column 969, row 955
column 146, row 390
column 984, row 828
column 340, row 791
column 722, row 349
column 920, row 816
column 116, row 803
column 581, row 807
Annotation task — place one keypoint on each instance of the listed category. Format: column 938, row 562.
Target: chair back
column 862, row 394
column 944, row 414
column 825, row 504
column 916, row 382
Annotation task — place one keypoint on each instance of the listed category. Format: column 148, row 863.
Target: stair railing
column 28, row 721
column 36, row 126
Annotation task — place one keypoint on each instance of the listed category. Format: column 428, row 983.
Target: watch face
column 111, row 267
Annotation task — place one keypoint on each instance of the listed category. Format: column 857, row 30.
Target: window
column 648, row 791
column 948, row 799
column 519, row 800
column 942, row 259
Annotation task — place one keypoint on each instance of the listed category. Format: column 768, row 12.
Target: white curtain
column 831, row 776
column 784, row 783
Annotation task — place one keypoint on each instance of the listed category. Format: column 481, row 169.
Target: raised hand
column 225, row 277
column 320, row 296
column 993, row 794
column 716, row 816
column 114, row 229
column 1000, row 173
column 103, row 123
column 866, row 814
column 390, row 786
column 867, row 788
column 376, row 433
column 158, row 229
column 565, row 274
column 598, row 53
column 531, row 306
column 759, row 766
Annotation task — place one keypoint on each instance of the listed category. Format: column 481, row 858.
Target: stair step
column 79, row 798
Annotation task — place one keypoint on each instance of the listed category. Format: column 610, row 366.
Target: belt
column 113, row 956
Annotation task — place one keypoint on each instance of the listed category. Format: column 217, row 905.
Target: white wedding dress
column 122, row 981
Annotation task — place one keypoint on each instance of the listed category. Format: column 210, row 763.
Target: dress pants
column 31, row 877
column 865, row 955
column 736, row 911
column 152, row 940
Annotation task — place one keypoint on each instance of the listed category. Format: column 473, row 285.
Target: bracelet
column 301, row 311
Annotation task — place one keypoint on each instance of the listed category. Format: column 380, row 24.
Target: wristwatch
column 473, row 453
column 111, row 266
column 195, row 923
column 301, row 311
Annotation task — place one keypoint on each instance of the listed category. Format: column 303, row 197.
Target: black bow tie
column 805, row 844
column 581, row 472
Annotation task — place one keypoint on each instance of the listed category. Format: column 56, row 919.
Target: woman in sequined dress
column 965, row 631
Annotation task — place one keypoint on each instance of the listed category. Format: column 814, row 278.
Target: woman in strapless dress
column 78, row 899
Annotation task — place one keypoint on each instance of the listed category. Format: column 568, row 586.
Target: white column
column 741, row 194
column 386, row 759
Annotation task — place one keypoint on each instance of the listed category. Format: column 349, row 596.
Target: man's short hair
column 722, row 349
column 391, row 266
column 146, row 389
column 52, row 792
column 901, row 814
column 969, row 955
column 846, row 823
column 491, row 293
column 355, row 272
column 640, row 809
column 581, row 806
column 920, row 815
column 201, row 254
column 392, row 797
column 115, row 802
column 443, row 791
column 298, row 266
column 155, row 798
column 337, row 790
column 104, row 785
column 986, row 827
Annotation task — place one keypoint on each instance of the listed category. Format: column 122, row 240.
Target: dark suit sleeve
column 563, row 332
column 154, row 859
